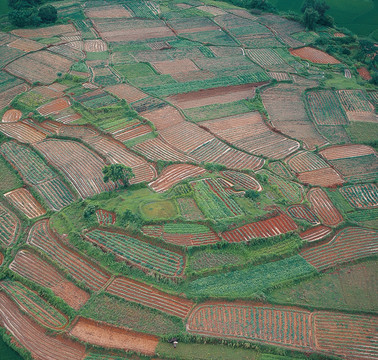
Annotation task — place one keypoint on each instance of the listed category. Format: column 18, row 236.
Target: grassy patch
column 215, row 111
column 103, row 55
column 204, row 352
column 9, row 179
column 133, row 316
column 350, row 288
column 251, row 281
column 132, row 71
column 165, row 209
column 364, row 133
column 340, row 82
column 49, row 41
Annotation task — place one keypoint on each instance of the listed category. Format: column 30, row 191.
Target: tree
column 252, row 194
column 262, row 5
column 24, row 17
column 310, row 18
column 48, row 14
column 118, row 172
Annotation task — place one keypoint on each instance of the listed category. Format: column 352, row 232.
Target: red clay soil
column 54, row 106
column 314, row 55
column 46, row 32
column 175, row 66
column 144, row 294
column 173, row 174
column 164, row 117
column 218, row 95
column 364, row 73
column 315, row 233
column 71, row 294
column 109, row 336
column 33, row 337
column 22, row 132
column 339, row 35
column 108, row 12
column 127, row 92
column 1, row 258
column 11, row 115
column 326, row 177
column 26, row 45
column 346, row 151
column 25, row 202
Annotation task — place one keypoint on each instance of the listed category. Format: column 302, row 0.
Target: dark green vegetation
column 7, row 353
column 9, row 178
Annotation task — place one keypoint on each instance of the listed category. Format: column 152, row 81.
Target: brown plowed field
column 288, row 114
column 108, row 12
column 220, row 95
column 22, row 132
column 173, row 174
column 314, row 55
column 8, row 95
column 33, row 337
column 137, row 34
column 249, row 133
column 175, row 66
column 35, row 269
column 46, row 32
column 25, row 202
column 315, row 233
column 346, row 151
column 11, row 115
column 95, row 46
column 323, row 207
column 164, row 118
column 39, row 66
column 26, row 45
column 54, row 106
column 141, row 293
column 109, row 336
column 127, row 92
column 364, row 73
column 326, row 177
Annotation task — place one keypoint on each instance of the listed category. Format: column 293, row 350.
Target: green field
column 360, row 16
column 9, row 179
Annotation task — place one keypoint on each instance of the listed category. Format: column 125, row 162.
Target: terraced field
column 251, row 143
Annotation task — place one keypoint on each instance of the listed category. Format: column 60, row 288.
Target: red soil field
column 105, row 217
column 338, row 34
column 220, row 95
column 275, row 325
column 164, row 117
column 9, row 226
column 11, row 115
column 109, row 336
column 315, row 233
column 274, row 226
column 22, row 132
column 129, row 133
column 81, row 269
column 127, row 92
column 95, row 46
column 347, row 245
column 346, row 151
column 39, row 66
column 173, row 174
column 8, row 95
column 348, row 335
column 25, row 202
column 125, row 35
column 303, row 161
column 364, row 73
column 157, row 149
column 323, row 207
column 33, row 337
column 326, row 177
column 35, row 269
column 1, row 258
column 26, row 45
column 249, row 133
column 178, row 136
column 144, row 294
column 108, row 12
column 314, row 55
column 54, row 106
column 80, row 165
column 46, row 32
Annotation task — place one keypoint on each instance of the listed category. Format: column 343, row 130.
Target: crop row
column 34, row 305
column 245, row 181
column 139, row 253
column 361, row 196
column 105, row 217
column 302, row 212
column 9, row 226
column 348, row 245
column 214, row 201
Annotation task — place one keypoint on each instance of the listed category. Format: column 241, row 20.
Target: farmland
column 245, row 222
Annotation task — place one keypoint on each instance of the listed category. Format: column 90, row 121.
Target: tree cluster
column 31, row 13
column 314, row 13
